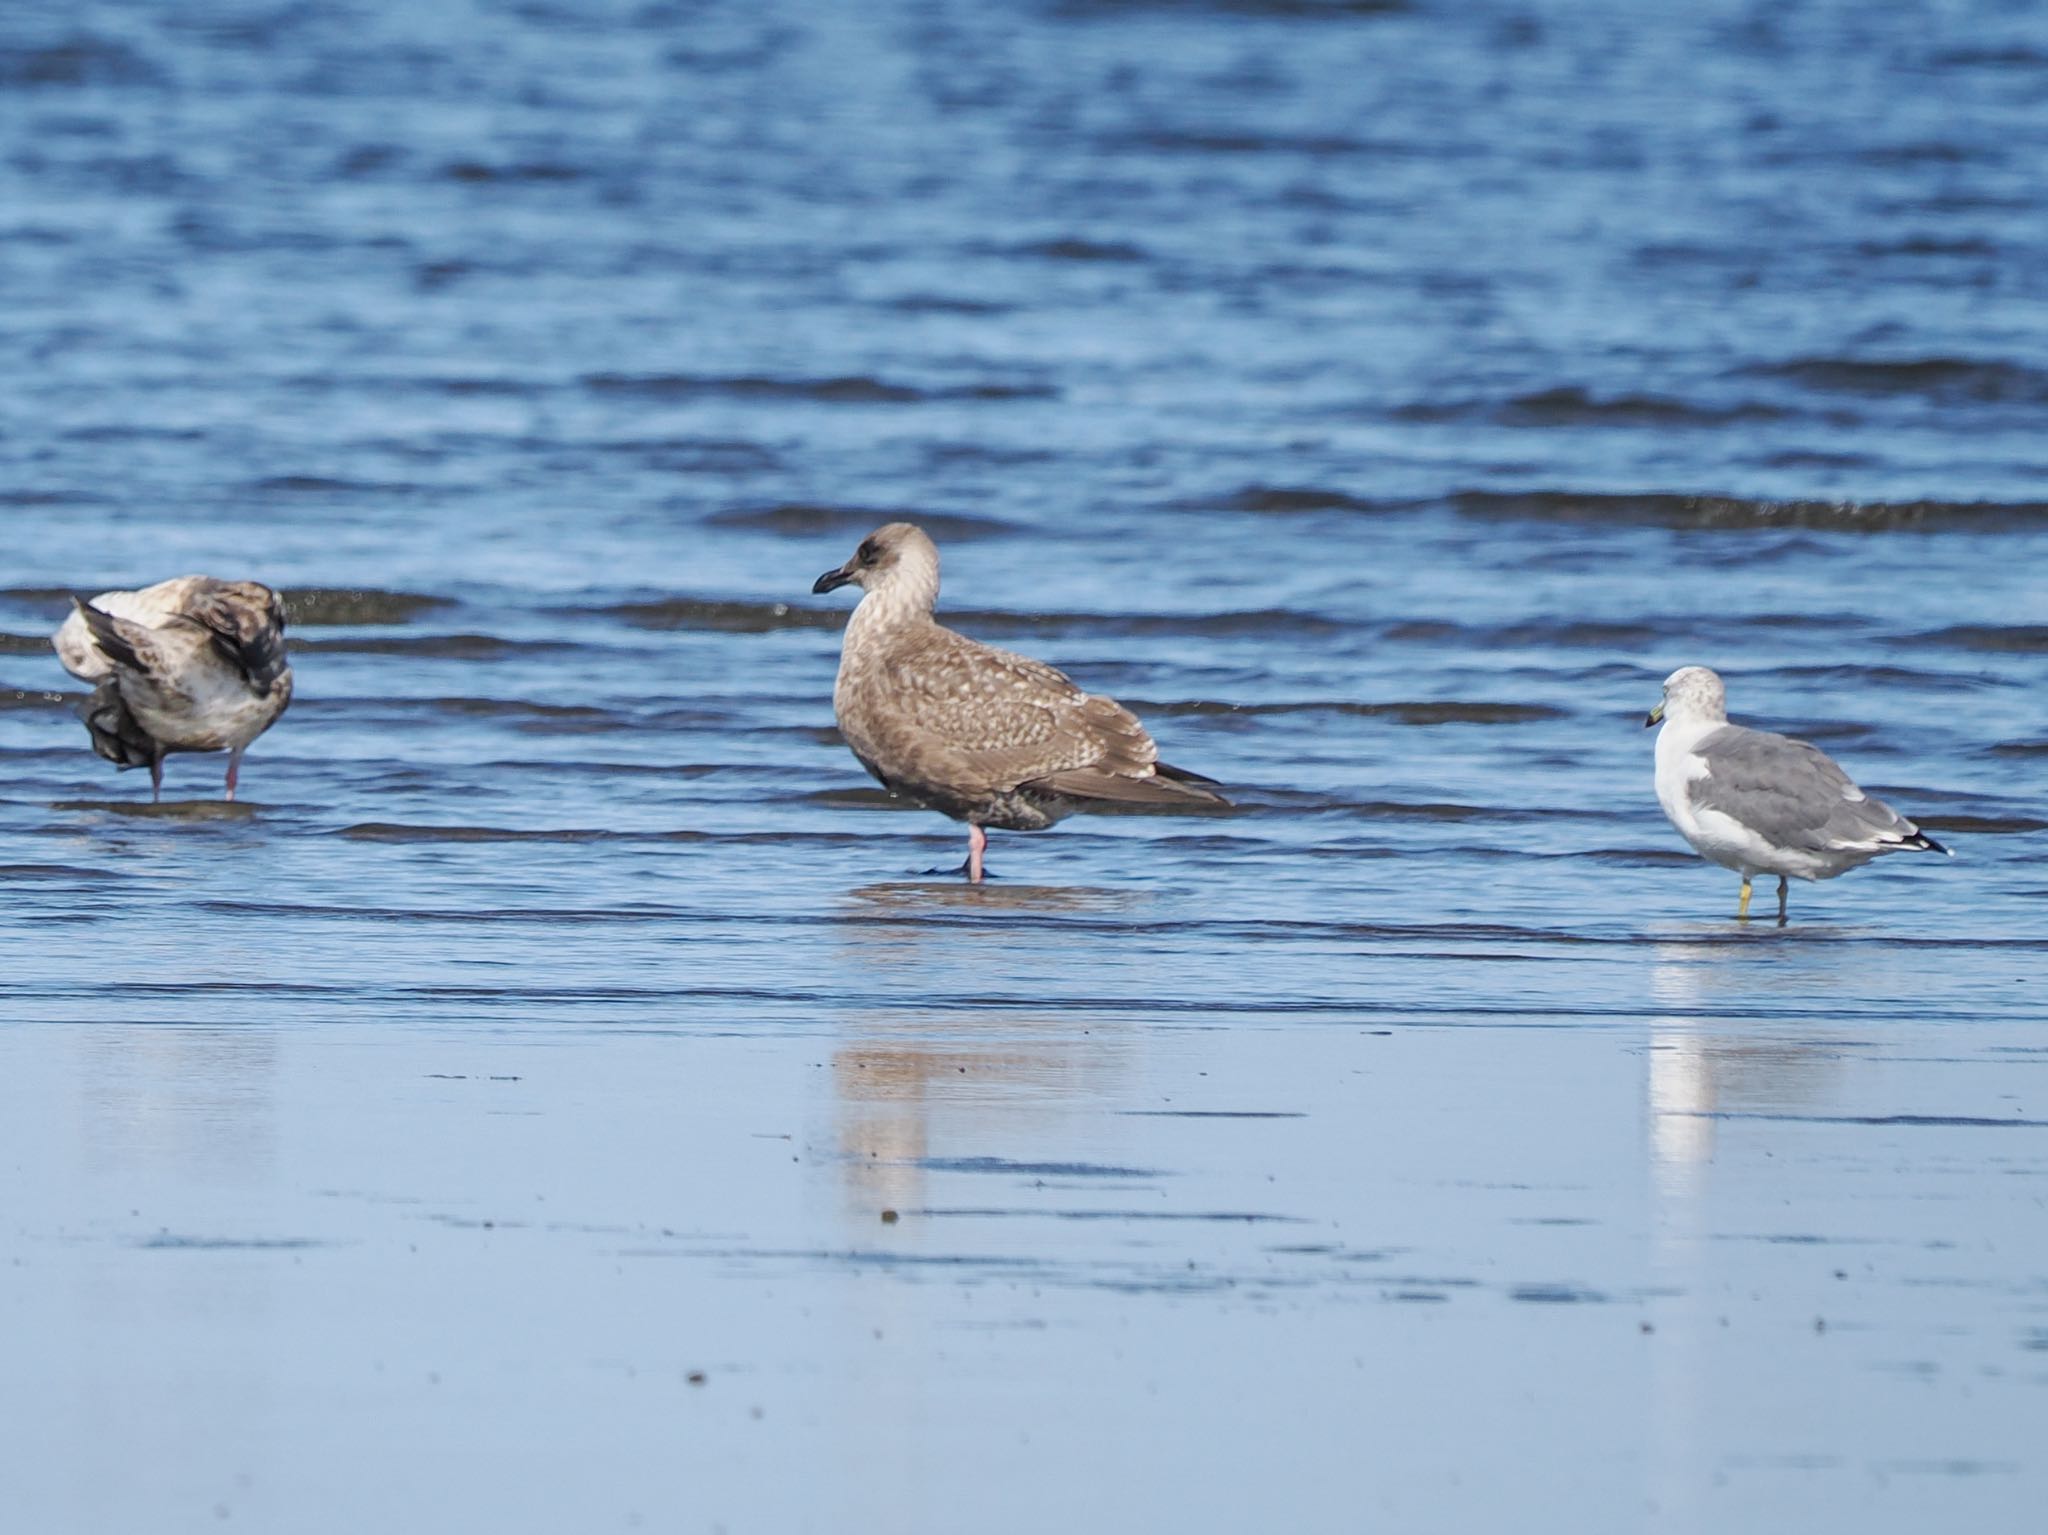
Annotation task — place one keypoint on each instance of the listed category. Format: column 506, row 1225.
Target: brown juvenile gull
column 979, row 734
column 1760, row 803
column 188, row 665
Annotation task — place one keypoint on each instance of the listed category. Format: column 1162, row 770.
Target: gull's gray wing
column 1791, row 793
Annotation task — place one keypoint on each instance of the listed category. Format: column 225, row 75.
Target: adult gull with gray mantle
column 187, row 665
column 1760, row 803
column 979, row 734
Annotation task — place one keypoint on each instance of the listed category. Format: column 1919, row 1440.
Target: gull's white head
column 898, row 563
column 1692, row 693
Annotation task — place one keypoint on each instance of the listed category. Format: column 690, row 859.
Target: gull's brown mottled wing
column 972, row 716
column 245, row 625
column 127, row 644
column 154, row 662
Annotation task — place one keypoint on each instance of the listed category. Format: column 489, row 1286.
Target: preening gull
column 979, row 734
column 1760, row 803
column 188, row 665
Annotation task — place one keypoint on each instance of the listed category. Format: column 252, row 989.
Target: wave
column 941, row 303
column 310, row 606
column 463, row 386
column 531, row 711
column 187, row 810
column 1293, row 802
column 1815, row 458
column 343, row 606
column 1944, row 380
column 324, row 485
column 80, row 60
column 1926, row 245
column 1573, row 405
column 460, row 647
column 1996, row 56
column 1633, row 857
column 813, row 520
column 59, row 872
column 1328, row 10
column 393, row 831
column 716, row 615
column 2025, row 639
column 517, row 171
column 1914, row 152
column 29, row 699
column 1535, row 632
column 131, row 431
column 850, row 389
column 1671, row 510
column 1983, row 825
column 1258, row 621
column 1073, row 248
column 743, row 617
column 1415, row 712
column 1853, row 675
column 52, row 498
column 1299, row 498
column 1212, row 142
column 1567, row 405
column 58, row 597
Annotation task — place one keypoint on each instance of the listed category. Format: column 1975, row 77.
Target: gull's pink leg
column 977, row 844
column 234, row 769
column 156, row 778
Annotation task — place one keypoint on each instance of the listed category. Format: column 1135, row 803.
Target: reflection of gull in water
column 960, row 1069
column 1709, row 1054
column 1699, row 1073
column 1760, row 803
column 891, row 927
column 1681, row 1101
column 926, row 895
column 960, row 1084
column 1704, row 1063
column 909, row 1090
column 194, row 1100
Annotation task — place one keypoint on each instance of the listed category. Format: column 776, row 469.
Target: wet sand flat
column 1712, row 1253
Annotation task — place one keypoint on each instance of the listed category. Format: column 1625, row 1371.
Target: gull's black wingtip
column 1927, row 844
column 1193, row 784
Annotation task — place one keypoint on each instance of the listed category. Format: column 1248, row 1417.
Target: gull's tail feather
column 1163, row 786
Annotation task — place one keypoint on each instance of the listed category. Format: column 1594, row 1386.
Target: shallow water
column 499, row 1117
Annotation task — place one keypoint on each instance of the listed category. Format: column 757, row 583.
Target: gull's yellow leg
column 1742, row 911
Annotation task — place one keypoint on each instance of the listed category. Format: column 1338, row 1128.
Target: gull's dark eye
column 868, row 552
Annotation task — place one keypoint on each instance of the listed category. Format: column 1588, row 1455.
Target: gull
column 1760, row 803
column 976, row 733
column 187, row 665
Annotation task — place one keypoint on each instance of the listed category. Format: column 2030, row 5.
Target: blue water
column 1378, row 397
